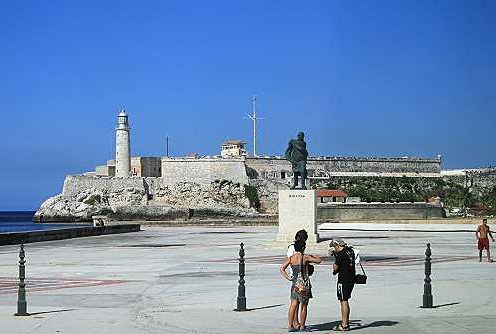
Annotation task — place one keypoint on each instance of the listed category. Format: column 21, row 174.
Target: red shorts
column 483, row 244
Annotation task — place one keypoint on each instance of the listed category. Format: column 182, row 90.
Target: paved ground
column 184, row 280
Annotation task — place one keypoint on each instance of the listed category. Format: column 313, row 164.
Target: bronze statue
column 297, row 154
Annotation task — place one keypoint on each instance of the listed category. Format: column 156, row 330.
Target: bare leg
column 291, row 312
column 480, row 255
column 345, row 313
column 303, row 315
column 488, row 255
column 296, row 324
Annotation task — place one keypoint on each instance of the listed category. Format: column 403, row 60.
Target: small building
column 105, row 170
column 146, row 166
column 332, row 195
column 233, row 148
column 140, row 166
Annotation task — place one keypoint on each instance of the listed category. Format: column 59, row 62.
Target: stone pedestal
column 297, row 210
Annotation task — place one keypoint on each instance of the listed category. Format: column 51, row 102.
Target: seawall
column 14, row 238
column 378, row 211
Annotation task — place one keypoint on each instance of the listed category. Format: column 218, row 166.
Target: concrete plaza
column 184, row 280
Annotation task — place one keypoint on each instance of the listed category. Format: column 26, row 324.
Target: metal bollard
column 241, row 305
column 22, row 305
column 427, row 297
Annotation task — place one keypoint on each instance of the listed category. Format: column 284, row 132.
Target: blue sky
column 361, row 78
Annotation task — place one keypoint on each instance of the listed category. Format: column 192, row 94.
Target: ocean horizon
column 22, row 221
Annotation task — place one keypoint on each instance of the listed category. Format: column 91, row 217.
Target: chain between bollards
column 427, row 297
column 22, row 305
column 241, row 304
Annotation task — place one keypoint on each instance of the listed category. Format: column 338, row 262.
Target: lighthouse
column 122, row 146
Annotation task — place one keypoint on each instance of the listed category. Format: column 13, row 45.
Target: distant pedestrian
column 482, row 234
column 344, row 267
column 301, row 288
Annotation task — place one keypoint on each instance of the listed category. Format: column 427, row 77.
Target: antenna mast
column 254, row 119
column 167, row 147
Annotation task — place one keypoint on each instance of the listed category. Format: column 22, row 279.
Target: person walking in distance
column 482, row 234
column 344, row 267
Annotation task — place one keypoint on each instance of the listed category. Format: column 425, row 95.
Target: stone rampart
column 14, row 238
column 280, row 168
column 74, row 184
column 472, row 178
column 203, row 170
column 379, row 211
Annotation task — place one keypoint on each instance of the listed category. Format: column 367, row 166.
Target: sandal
column 340, row 327
column 305, row 329
column 292, row 329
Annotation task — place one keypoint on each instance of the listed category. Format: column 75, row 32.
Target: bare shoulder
column 295, row 258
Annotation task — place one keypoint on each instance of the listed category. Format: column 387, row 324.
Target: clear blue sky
column 364, row 78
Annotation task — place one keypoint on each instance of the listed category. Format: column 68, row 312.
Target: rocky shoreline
column 180, row 201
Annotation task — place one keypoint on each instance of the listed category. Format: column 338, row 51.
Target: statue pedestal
column 297, row 211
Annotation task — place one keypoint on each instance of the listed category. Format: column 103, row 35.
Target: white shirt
column 357, row 257
column 291, row 251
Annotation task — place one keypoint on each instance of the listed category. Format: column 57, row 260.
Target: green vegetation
column 252, row 194
column 223, row 183
column 92, row 199
column 403, row 189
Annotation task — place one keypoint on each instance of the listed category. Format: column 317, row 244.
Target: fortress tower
column 122, row 146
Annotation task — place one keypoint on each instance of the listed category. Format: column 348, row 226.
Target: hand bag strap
column 304, row 270
column 362, row 269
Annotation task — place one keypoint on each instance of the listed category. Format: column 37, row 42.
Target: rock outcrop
column 182, row 200
column 267, row 192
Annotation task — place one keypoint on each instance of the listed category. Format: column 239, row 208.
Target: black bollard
column 241, row 305
column 22, row 305
column 427, row 297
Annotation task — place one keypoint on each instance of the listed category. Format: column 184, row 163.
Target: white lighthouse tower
column 122, row 146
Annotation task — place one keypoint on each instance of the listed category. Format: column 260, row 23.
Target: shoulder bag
column 361, row 278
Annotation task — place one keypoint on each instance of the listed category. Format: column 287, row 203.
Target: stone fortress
column 234, row 164
column 183, row 187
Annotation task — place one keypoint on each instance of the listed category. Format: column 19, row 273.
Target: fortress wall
column 268, row 168
column 203, row 170
column 483, row 178
column 379, row 211
column 271, row 167
column 473, row 178
column 74, row 184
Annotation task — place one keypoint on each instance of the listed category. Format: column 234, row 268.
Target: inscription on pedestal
column 297, row 210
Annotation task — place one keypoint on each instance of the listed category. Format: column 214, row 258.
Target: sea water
column 22, row 221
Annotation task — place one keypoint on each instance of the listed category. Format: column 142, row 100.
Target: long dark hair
column 301, row 235
column 299, row 246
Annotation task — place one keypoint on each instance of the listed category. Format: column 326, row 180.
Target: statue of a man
column 297, row 154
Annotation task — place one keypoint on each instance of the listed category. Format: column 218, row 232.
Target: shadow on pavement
column 54, row 311
column 380, row 323
column 447, row 304
column 264, row 307
column 354, row 325
column 327, row 326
